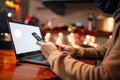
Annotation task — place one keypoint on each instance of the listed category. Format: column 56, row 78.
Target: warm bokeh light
column 106, row 24
column 59, row 39
column 9, row 3
column 47, row 37
column 12, row 5
column 90, row 40
column 71, row 39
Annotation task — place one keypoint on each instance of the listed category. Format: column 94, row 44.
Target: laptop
column 25, row 47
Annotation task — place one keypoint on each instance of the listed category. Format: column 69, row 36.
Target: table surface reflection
column 11, row 70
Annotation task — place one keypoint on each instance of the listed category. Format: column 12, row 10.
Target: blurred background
column 71, row 22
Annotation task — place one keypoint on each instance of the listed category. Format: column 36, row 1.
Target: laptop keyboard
column 37, row 57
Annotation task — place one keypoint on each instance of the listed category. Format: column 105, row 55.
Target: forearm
column 96, row 53
column 68, row 68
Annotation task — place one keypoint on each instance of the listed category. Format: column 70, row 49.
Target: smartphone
column 37, row 37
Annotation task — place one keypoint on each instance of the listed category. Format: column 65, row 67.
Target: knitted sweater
column 68, row 68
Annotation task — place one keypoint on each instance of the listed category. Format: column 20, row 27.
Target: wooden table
column 10, row 70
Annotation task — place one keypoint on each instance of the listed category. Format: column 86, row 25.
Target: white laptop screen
column 22, row 37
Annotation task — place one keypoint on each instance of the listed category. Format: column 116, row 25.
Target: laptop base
column 43, row 63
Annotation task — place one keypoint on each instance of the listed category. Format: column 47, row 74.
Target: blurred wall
column 74, row 13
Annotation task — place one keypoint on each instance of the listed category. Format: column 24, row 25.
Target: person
column 68, row 68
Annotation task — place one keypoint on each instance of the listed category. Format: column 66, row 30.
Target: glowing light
column 90, row 40
column 59, row 39
column 110, row 36
column 9, row 14
column 47, row 37
column 12, row 5
column 9, row 3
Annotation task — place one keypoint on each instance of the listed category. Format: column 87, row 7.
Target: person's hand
column 47, row 47
column 66, row 48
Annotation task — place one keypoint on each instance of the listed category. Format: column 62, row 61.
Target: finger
column 60, row 45
column 40, row 43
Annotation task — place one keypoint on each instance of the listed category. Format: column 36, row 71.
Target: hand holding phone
column 37, row 37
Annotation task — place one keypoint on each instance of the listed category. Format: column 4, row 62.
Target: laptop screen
column 22, row 37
